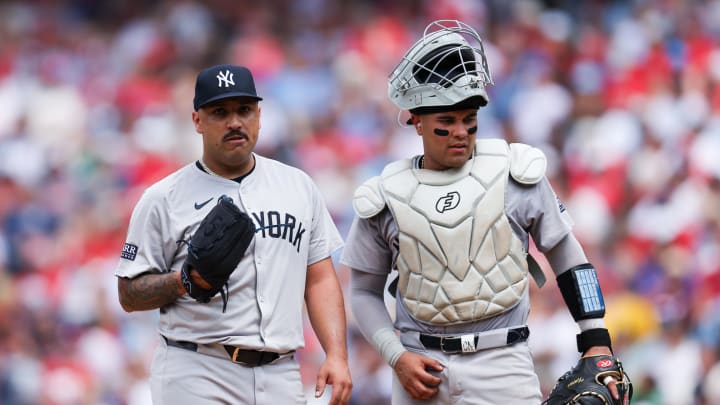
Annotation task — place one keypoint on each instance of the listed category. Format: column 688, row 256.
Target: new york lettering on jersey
column 277, row 225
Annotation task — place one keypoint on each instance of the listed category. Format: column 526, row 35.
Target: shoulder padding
column 368, row 200
column 491, row 146
column 396, row 167
column 527, row 163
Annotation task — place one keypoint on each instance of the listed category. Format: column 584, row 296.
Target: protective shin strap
column 581, row 291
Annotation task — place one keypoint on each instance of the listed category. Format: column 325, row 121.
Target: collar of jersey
column 236, row 179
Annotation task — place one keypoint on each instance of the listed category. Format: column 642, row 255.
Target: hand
column 334, row 371
column 412, row 371
column 197, row 278
column 609, row 381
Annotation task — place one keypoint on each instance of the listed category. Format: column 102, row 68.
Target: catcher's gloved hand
column 216, row 249
column 585, row 383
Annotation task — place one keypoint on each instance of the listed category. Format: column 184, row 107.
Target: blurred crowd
column 95, row 105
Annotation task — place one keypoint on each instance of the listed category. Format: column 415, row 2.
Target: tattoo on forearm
column 150, row 291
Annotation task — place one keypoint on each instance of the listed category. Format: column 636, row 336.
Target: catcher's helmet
column 445, row 67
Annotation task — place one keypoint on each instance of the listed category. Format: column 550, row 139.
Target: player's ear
column 196, row 121
column 417, row 124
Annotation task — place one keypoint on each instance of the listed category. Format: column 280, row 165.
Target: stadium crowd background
column 95, row 103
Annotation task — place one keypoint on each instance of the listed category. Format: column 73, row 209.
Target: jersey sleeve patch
column 129, row 252
column 561, row 205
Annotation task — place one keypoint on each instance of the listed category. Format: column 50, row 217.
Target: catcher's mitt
column 584, row 384
column 216, row 249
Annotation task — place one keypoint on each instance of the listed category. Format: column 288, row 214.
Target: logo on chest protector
column 447, row 202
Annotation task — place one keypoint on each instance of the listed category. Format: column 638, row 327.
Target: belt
column 251, row 358
column 244, row 357
column 473, row 342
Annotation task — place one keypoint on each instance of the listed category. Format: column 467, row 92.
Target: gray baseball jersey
column 266, row 291
column 533, row 210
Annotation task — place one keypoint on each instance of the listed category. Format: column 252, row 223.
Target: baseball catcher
column 589, row 382
column 455, row 223
column 215, row 250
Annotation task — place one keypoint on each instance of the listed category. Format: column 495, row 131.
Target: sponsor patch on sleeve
column 561, row 206
column 129, row 251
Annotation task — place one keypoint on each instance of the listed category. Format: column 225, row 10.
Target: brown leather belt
column 250, row 358
column 244, row 357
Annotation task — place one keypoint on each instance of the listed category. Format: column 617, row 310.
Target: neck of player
column 228, row 172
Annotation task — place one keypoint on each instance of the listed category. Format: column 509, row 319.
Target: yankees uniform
column 374, row 246
column 265, row 293
column 455, row 223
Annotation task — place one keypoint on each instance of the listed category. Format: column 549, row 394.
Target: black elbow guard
column 581, row 291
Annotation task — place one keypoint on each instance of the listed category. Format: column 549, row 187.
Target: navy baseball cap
column 223, row 81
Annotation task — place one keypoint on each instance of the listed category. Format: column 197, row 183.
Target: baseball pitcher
column 230, row 248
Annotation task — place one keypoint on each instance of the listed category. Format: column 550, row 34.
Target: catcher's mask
column 447, row 66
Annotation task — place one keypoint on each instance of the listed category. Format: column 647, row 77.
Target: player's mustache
column 235, row 132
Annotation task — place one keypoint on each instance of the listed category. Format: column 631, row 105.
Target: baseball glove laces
column 215, row 250
column 586, row 383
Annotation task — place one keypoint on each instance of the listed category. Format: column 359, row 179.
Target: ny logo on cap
column 226, row 77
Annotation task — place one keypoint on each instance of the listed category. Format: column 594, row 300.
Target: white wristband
column 592, row 323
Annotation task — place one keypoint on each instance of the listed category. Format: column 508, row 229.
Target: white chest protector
column 459, row 260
